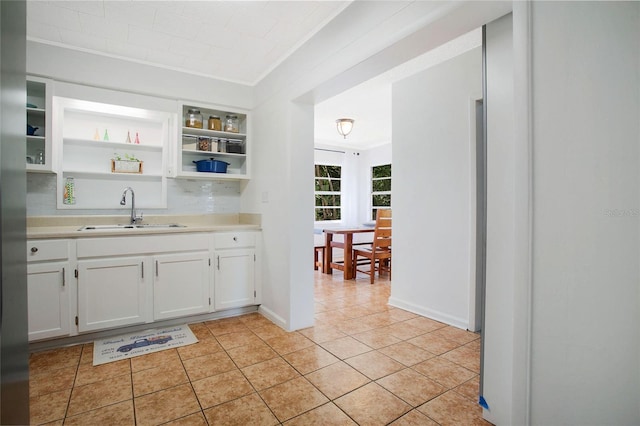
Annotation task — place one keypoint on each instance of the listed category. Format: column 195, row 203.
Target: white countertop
column 68, row 226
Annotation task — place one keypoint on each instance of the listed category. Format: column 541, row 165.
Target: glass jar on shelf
column 215, row 123
column 231, row 124
column 222, row 145
column 193, row 119
column 204, row 144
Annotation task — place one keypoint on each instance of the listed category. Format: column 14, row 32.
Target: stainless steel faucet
column 134, row 218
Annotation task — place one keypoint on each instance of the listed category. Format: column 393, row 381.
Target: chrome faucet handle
column 138, row 218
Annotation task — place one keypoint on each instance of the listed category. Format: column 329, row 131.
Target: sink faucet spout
column 134, row 217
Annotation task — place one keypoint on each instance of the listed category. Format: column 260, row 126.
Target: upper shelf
column 212, row 133
column 36, row 110
column 98, row 143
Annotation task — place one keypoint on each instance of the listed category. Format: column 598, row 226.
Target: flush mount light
column 344, row 126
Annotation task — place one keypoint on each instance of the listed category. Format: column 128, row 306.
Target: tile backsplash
column 184, row 196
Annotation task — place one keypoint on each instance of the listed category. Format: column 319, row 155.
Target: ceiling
column 237, row 41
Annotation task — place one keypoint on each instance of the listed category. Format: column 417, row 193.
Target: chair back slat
column 382, row 232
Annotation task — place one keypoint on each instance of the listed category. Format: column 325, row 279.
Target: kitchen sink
column 131, row 226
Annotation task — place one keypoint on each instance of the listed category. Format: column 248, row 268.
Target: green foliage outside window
column 380, row 188
column 327, row 192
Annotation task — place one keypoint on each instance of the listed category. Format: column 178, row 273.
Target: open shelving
column 38, row 109
column 188, row 137
column 92, row 134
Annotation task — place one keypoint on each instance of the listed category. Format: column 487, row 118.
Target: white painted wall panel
column 369, row 158
column 102, row 71
column 431, row 188
column 586, row 293
column 498, row 333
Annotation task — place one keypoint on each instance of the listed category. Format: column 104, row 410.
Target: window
column 380, row 188
column 327, row 191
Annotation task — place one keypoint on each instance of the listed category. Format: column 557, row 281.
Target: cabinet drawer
column 234, row 239
column 39, row 250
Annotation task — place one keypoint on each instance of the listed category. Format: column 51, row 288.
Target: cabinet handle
column 235, row 239
column 156, row 268
column 218, row 260
column 64, row 277
column 34, row 249
column 142, row 272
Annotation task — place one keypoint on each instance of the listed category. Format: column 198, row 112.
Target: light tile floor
column 363, row 362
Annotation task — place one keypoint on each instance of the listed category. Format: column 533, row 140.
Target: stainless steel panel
column 14, row 349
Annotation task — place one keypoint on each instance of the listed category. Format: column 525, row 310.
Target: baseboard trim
column 273, row 317
column 429, row 313
column 89, row 337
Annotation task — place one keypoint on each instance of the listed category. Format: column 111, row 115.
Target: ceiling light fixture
column 344, row 126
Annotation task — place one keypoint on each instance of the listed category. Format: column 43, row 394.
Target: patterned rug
column 141, row 343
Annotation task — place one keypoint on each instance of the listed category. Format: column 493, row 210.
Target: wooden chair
column 379, row 254
column 318, row 256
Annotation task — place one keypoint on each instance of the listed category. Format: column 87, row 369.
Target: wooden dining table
column 328, row 265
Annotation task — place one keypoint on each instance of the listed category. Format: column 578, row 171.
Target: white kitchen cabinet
column 235, row 283
column 138, row 279
column 234, row 278
column 89, row 135
column 112, row 292
column 181, row 285
column 39, row 151
column 49, row 287
column 236, row 153
column 48, row 300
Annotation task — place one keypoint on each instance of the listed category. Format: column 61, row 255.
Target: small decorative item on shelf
column 106, row 135
column 68, row 195
column 128, row 164
column 31, row 131
column 128, row 137
column 137, row 139
column 96, row 135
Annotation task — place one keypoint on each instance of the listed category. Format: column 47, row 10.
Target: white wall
column 102, row 71
column 369, row 158
column 585, row 348
column 348, row 161
column 184, row 196
column 431, row 188
column 81, row 75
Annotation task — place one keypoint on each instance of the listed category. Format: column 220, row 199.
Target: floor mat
column 141, row 343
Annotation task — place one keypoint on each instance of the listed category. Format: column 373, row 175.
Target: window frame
column 339, row 193
column 372, row 192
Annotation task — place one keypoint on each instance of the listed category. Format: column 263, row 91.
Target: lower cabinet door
column 112, row 293
column 48, row 300
column 234, row 278
column 181, row 285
